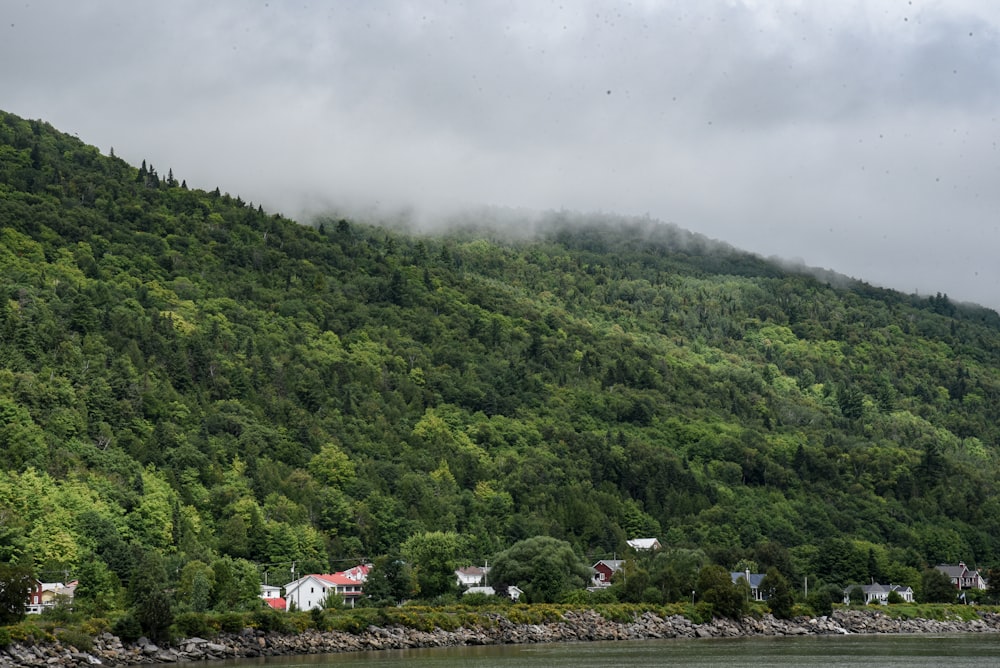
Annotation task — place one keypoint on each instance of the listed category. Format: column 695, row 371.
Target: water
column 912, row 651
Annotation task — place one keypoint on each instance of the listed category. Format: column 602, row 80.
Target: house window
column 311, row 590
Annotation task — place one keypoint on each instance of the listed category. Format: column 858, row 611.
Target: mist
column 860, row 137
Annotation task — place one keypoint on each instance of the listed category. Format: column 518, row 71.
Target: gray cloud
column 860, row 137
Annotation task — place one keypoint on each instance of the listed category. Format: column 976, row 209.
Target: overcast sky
column 856, row 136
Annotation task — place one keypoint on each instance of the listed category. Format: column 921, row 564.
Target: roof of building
column 613, row 564
column 644, row 543
column 754, row 581
column 276, row 603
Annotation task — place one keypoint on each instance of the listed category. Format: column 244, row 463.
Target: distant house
column 45, row 595
column 310, row 592
column 472, row 576
column 753, row 580
column 644, row 544
column 513, row 592
column 272, row 596
column 879, row 593
column 962, row 577
column 604, row 570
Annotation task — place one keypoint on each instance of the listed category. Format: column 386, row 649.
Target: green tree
column 237, row 585
column 936, row 587
column 821, row 599
column 195, row 586
column 778, row 593
column 99, row 590
column 16, row 583
column 544, row 567
column 149, row 596
column 434, row 556
column 716, row 587
column 390, row 580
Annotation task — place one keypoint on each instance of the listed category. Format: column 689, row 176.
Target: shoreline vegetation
column 264, row 634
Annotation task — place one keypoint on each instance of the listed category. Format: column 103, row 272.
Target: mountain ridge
column 188, row 375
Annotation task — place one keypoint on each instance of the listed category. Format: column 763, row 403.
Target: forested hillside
column 186, row 375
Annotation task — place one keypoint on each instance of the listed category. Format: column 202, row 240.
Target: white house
column 513, row 592
column 644, row 544
column 310, row 592
column 879, row 593
column 472, row 576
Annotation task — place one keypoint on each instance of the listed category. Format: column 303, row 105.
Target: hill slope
column 186, row 374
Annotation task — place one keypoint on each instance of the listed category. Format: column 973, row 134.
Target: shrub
column 191, row 624
column 478, row 599
column 127, row 628
column 4, row 637
column 270, row 620
column 95, row 626
column 354, row 621
column 231, row 622
column 27, row 633
column 75, row 638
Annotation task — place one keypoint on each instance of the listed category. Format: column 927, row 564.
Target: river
column 911, row 651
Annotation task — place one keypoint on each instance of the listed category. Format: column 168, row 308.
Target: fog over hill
column 859, row 136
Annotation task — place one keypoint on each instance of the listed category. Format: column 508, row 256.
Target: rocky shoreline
column 576, row 626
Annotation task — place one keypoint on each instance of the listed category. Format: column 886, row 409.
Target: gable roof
column 276, row 602
column 953, row 570
column 754, row 578
column 613, row 564
column 644, row 544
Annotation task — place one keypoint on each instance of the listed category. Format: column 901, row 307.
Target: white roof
column 643, row 543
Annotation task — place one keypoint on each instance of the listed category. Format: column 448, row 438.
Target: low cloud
column 855, row 136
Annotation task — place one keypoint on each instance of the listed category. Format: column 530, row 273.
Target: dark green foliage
column 268, row 620
column 182, row 372
column 193, row 624
column 127, row 628
column 716, row 588
column 778, row 593
column 821, row 599
column 936, row 587
column 149, row 596
column 390, row 581
column 16, row 583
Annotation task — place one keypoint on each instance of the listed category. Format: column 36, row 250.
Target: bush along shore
column 491, row 629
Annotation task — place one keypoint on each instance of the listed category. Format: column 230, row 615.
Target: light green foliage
column 153, row 519
column 434, row 556
column 331, row 466
column 195, row 586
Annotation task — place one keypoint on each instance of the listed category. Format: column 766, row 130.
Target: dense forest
column 191, row 381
